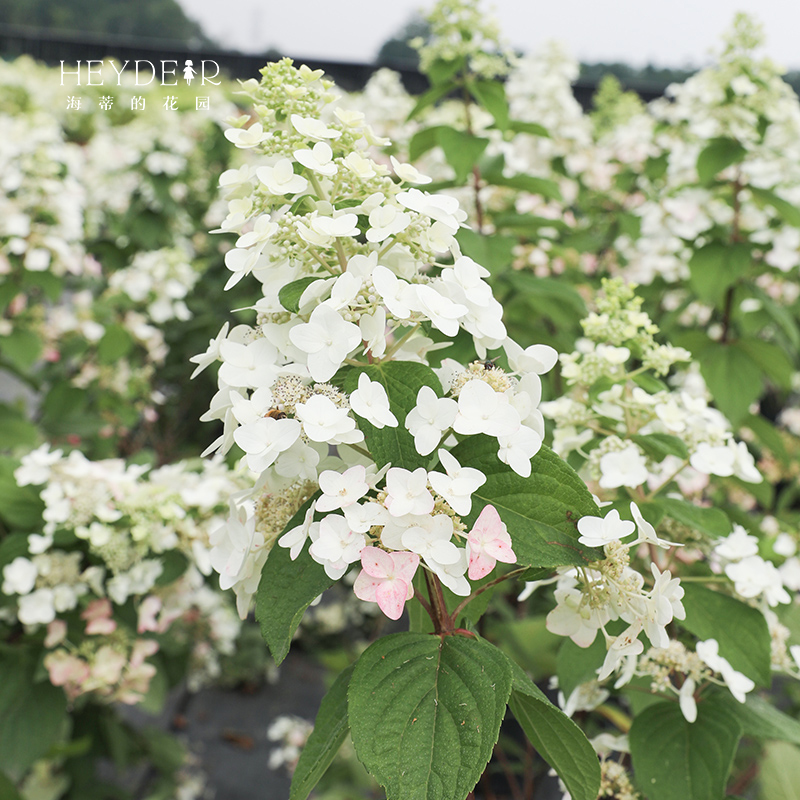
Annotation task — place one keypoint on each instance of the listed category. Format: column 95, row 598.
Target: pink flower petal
column 405, row 566
column 480, row 564
column 377, row 562
column 391, row 597
column 365, row 587
column 500, row 550
column 489, row 525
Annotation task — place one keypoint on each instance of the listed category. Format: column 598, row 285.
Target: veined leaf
column 287, row 588
column 330, row 730
column 402, row 381
column 541, row 512
column 675, row 760
column 425, row 713
column 741, row 630
column 557, row 739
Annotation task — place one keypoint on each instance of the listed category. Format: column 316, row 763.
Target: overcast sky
column 664, row 32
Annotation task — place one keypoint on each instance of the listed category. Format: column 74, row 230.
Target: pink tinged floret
column 98, row 617
column 385, row 579
column 488, row 542
column 148, row 611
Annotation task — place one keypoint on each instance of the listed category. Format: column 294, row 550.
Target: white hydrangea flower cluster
column 754, row 577
column 159, row 279
column 459, row 29
column 741, row 98
column 42, row 198
column 108, row 528
column 619, row 333
column 588, row 598
column 357, row 270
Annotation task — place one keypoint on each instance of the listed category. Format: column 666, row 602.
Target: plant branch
column 441, row 619
column 481, row 589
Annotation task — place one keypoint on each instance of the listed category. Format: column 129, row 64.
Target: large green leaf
column 741, row 630
column 660, row 445
column 716, row 266
column 788, row 212
column 716, row 156
column 492, row 96
column 21, row 348
column 711, row 521
column 7, row 789
column 531, row 183
column 676, row 760
column 761, row 720
column 286, row 590
column 402, row 381
column 461, row 149
column 494, row 252
column 780, row 772
column 116, row 343
column 330, row 730
column 541, row 512
column 425, row 713
column 733, row 378
column 576, row 665
column 557, row 739
column 33, row 714
column 771, row 358
column 16, row 429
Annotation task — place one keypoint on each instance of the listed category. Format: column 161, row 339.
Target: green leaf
column 116, row 343
column 541, row 512
column 767, row 434
column 33, row 714
column 289, row 296
column 576, row 665
column 429, row 98
column 557, row 739
column 716, row 266
column 780, row 315
column 530, row 183
column 711, row 521
column 788, row 212
column 462, row 150
column 779, row 775
column 660, row 445
column 21, row 348
column 330, row 730
column 676, row 760
column 423, row 141
column 402, row 381
column 20, row 506
column 13, row 546
column 286, row 590
column 771, row 358
column 425, row 713
column 442, row 70
column 532, row 128
column 716, row 156
column 494, row 252
column 16, row 430
column 733, row 378
column 741, row 630
column 761, row 720
column 492, row 96
column 7, row 789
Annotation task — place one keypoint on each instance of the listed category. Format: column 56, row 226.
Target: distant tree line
column 396, row 52
column 143, row 19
